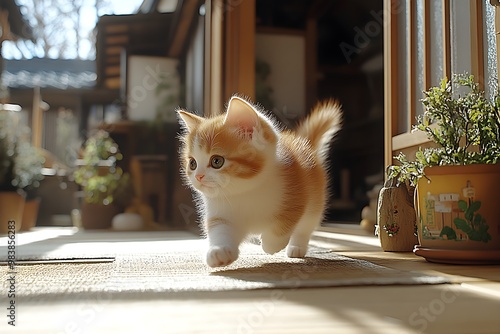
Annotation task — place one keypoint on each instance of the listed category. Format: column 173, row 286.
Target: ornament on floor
column 396, row 217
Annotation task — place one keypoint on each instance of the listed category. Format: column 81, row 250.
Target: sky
column 88, row 21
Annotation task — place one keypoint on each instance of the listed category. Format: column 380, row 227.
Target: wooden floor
column 470, row 305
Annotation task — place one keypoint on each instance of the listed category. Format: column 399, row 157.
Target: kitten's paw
column 220, row 256
column 296, row 251
column 272, row 246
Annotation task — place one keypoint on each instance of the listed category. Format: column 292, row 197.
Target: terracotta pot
column 97, row 216
column 30, row 214
column 11, row 210
column 458, row 214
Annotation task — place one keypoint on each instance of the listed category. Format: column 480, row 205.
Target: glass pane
column 403, row 73
column 419, row 66
column 490, row 55
column 436, row 35
column 460, row 37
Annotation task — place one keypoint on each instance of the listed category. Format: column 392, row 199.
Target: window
column 425, row 41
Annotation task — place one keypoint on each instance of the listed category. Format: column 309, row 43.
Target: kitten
column 248, row 177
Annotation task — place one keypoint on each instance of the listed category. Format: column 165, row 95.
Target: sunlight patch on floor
column 359, row 239
column 26, row 238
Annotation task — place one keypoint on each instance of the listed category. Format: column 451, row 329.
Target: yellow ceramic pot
column 458, row 214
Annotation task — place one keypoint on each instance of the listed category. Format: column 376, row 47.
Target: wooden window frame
column 229, row 52
column 409, row 141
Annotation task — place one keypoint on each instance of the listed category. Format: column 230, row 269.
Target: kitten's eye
column 216, row 161
column 192, row 164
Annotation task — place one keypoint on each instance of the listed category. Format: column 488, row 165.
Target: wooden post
column 391, row 90
column 37, row 119
column 239, row 49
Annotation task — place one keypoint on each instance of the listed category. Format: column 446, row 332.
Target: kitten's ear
column 240, row 114
column 190, row 121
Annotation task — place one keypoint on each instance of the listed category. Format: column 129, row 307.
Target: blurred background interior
column 72, row 68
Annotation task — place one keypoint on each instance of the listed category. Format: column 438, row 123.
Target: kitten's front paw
column 272, row 244
column 220, row 256
column 296, row 251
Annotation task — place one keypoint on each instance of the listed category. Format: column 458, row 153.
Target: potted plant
column 457, row 180
column 101, row 181
column 20, row 167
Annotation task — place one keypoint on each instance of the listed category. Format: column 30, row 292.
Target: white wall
column 286, row 56
column 144, row 73
column 195, row 59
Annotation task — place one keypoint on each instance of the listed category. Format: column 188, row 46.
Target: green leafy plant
column 98, row 173
column 20, row 163
column 465, row 129
column 449, row 233
column 474, row 225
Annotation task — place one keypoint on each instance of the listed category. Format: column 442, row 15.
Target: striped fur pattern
column 248, row 177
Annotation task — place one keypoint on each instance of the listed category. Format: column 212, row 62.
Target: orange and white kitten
column 250, row 178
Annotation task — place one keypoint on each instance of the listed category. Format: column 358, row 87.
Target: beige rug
column 164, row 263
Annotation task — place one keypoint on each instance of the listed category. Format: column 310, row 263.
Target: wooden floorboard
column 470, row 305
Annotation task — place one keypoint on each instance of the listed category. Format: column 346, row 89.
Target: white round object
column 127, row 221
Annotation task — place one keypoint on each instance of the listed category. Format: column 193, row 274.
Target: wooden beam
column 427, row 44
column 390, row 78
column 213, row 56
column 37, row 119
column 116, row 29
column 497, row 39
column 113, row 83
column 185, row 14
column 409, row 139
column 117, row 39
column 446, row 39
column 113, row 60
column 113, row 50
column 112, row 70
column 5, row 33
column 411, row 60
column 239, row 50
column 206, row 65
column 477, row 44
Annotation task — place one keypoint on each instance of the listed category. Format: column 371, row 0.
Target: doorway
column 308, row 51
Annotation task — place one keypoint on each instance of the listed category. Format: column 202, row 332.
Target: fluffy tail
column 321, row 126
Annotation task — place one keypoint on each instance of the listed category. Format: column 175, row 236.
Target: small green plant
column 449, row 233
column 98, row 173
column 474, row 225
column 465, row 129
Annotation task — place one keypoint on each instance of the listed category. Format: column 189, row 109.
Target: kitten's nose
column 200, row 177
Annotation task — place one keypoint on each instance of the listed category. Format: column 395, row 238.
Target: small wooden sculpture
column 396, row 218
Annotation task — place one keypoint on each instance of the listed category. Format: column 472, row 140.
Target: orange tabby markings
column 265, row 181
column 245, row 168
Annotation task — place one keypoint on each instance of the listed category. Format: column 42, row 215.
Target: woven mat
column 176, row 265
